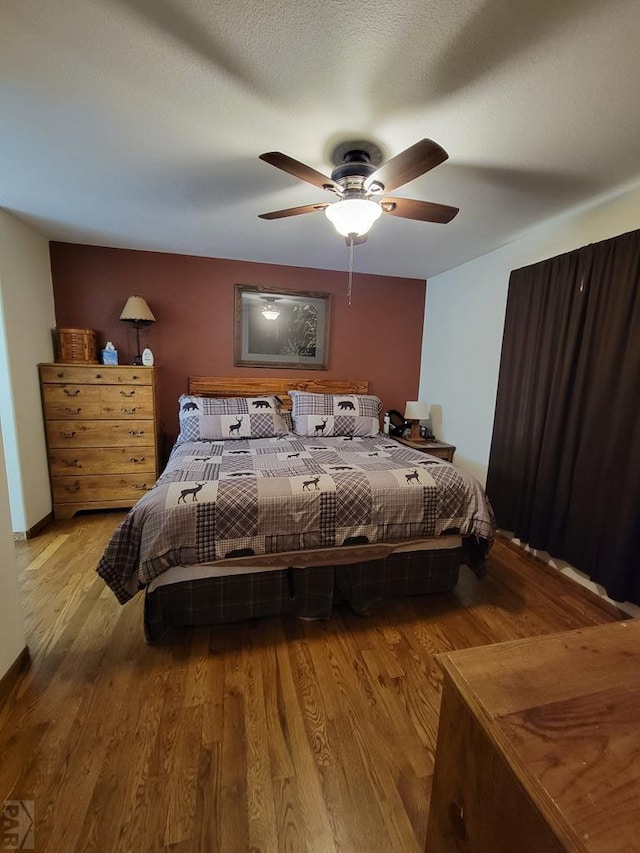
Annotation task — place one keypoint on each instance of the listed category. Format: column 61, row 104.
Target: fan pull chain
column 350, row 269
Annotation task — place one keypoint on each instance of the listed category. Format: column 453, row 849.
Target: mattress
column 365, row 553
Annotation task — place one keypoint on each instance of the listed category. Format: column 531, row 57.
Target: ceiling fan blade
column 292, row 211
column 301, row 171
column 409, row 164
column 424, row 211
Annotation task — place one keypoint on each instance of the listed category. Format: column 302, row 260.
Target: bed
column 250, row 519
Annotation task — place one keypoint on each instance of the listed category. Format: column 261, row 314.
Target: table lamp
column 137, row 312
column 416, row 411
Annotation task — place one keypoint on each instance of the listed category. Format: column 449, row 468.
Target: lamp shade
column 136, row 310
column 416, row 410
column 353, row 215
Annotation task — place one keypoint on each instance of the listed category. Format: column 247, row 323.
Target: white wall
column 464, row 319
column 26, row 320
column 12, row 639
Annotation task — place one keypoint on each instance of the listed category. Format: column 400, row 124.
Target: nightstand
column 430, row 445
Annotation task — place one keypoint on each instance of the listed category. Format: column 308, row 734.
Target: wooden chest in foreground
column 539, row 746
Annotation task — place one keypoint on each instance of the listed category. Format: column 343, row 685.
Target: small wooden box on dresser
column 102, row 436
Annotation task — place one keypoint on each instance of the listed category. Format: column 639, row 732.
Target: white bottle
column 147, row 357
column 385, row 423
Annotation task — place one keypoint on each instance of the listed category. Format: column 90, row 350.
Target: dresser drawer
column 93, row 401
column 101, row 460
column 98, row 375
column 71, row 401
column 118, row 433
column 127, row 401
column 445, row 453
column 111, row 487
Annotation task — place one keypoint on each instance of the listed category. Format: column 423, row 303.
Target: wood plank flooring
column 264, row 736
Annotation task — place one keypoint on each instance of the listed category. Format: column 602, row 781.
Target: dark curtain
column 564, row 468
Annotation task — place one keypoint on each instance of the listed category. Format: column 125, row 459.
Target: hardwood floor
column 263, row 736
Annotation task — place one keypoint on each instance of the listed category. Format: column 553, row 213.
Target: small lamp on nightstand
column 416, row 411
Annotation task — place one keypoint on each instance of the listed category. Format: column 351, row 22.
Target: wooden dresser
column 539, row 746
column 101, row 426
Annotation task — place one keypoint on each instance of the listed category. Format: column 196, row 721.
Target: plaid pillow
column 335, row 414
column 213, row 418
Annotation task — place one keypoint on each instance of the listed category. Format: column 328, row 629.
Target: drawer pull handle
column 67, row 434
column 456, row 816
column 137, row 461
column 127, row 393
column 60, row 375
column 140, row 486
column 98, row 376
column 73, row 393
column 73, row 411
column 130, row 411
column 136, row 432
column 71, row 464
column 73, row 489
column 132, row 378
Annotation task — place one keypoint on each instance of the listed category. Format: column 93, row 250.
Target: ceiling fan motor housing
column 356, row 164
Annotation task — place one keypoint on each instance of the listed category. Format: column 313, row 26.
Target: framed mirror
column 281, row 328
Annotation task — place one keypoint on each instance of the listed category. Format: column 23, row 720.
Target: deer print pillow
column 335, row 414
column 212, row 419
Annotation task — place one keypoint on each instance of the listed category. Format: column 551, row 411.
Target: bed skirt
column 308, row 592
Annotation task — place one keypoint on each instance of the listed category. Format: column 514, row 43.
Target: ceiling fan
column 361, row 181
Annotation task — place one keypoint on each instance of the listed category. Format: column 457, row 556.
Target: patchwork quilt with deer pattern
column 220, row 499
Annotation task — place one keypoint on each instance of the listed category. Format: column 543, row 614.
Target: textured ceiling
column 138, row 123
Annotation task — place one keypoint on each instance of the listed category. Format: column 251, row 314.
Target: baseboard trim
column 23, row 535
column 11, row 676
column 608, row 606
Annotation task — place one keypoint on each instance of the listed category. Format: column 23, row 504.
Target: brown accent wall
column 378, row 338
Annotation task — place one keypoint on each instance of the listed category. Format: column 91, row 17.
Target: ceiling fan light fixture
column 270, row 312
column 353, row 216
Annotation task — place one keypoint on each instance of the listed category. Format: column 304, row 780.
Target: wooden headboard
column 250, row 386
